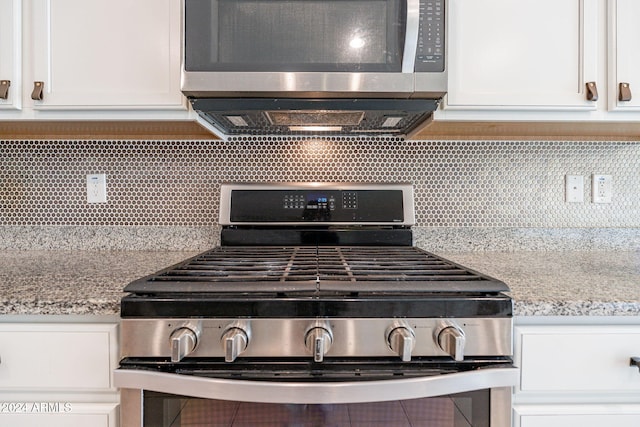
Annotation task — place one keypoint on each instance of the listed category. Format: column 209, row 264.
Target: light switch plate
column 574, row 188
column 602, row 188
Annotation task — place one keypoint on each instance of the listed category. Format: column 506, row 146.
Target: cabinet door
column 101, row 54
column 10, row 52
column 579, row 415
column 580, row 420
column 526, row 54
column 58, row 414
column 624, row 55
column 578, row 359
column 57, row 356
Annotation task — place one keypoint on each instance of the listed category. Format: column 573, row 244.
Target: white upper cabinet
column 624, row 55
column 523, row 55
column 105, row 54
column 10, row 54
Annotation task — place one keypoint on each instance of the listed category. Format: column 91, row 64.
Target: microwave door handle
column 411, row 36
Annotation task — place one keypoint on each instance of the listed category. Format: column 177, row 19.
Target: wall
column 165, row 193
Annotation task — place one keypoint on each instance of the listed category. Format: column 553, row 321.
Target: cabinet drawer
column 588, row 359
column 580, row 420
column 78, row 415
column 57, row 356
column 596, row 415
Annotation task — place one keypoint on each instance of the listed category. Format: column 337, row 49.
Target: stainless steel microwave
column 314, row 49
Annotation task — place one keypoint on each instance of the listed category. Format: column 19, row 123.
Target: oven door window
column 295, row 35
column 470, row 409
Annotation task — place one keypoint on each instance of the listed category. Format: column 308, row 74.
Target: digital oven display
column 313, row 206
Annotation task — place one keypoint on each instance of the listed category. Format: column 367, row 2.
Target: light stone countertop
column 563, row 283
column 61, row 282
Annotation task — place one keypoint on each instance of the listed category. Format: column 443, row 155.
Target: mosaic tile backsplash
column 457, row 183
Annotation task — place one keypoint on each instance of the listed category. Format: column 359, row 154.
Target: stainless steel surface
column 411, row 36
column 407, row 198
column 316, row 392
column 131, row 405
column 500, row 405
column 352, row 337
column 451, row 338
column 365, row 307
column 404, row 83
column 401, row 339
column 325, row 84
column 303, row 85
column 183, row 342
column 132, row 416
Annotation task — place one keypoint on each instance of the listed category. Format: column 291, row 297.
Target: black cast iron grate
column 331, row 269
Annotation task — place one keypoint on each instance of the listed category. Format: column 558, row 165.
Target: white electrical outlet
column 574, row 188
column 97, row 188
column 602, row 188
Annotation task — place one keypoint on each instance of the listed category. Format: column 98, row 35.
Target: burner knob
column 183, row 342
column 451, row 339
column 401, row 340
column 234, row 340
column 318, row 340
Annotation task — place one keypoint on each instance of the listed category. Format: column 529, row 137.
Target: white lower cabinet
column 577, row 372
column 577, row 415
column 78, row 415
column 58, row 374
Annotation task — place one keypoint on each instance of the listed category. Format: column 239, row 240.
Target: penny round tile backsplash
column 457, row 183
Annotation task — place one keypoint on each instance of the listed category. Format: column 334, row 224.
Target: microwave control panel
column 430, row 50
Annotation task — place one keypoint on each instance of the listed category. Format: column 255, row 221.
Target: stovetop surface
column 317, row 271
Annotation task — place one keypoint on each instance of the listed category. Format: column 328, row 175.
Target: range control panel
column 279, row 204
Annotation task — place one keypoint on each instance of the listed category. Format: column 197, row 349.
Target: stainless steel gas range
column 314, row 307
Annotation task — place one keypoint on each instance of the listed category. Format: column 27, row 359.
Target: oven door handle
column 315, row 392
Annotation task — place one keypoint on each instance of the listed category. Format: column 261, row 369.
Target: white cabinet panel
column 624, row 55
column 101, row 54
column 78, row 415
column 577, row 415
column 593, row 359
column 10, row 51
column 527, row 54
column 31, row 420
column 56, row 357
column 580, row 421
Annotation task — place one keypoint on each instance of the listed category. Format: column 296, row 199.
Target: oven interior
column 468, row 409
